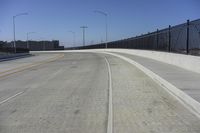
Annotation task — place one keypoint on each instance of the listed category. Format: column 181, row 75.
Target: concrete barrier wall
column 188, row 62
column 13, row 56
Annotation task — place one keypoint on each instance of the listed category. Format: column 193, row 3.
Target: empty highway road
column 86, row 93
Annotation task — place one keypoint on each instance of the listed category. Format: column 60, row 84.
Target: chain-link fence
column 183, row 38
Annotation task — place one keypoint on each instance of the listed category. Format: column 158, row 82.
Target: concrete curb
column 182, row 97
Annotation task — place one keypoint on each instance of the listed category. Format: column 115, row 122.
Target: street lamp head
column 83, row 27
column 100, row 12
column 20, row 14
column 24, row 13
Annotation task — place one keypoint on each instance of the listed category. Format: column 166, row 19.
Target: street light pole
column 83, row 27
column 14, row 44
column 74, row 37
column 106, row 19
column 27, row 38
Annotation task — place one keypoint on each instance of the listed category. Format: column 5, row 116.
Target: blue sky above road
column 52, row 19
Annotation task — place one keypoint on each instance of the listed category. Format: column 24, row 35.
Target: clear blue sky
column 52, row 19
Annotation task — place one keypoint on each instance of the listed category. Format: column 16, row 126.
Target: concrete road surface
column 70, row 94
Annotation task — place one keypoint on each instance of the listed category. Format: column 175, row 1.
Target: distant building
column 40, row 45
column 22, row 46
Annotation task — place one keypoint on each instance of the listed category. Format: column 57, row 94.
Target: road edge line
column 7, row 99
column 110, row 103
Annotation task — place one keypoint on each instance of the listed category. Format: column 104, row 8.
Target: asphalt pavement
column 69, row 93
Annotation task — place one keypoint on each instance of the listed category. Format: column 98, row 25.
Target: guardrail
column 6, row 57
column 8, row 50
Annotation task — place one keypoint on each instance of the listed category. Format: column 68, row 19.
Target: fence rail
column 183, row 38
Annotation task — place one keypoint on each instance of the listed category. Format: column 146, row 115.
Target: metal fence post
column 188, row 35
column 169, row 43
column 157, row 38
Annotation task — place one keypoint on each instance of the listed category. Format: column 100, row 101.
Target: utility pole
column 83, row 27
column 188, row 36
column 157, row 43
column 169, row 45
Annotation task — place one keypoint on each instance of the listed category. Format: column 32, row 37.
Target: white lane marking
column 110, row 103
column 11, row 97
